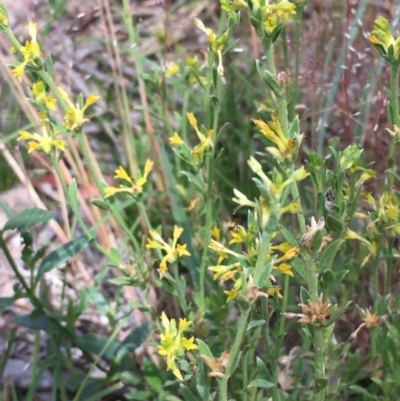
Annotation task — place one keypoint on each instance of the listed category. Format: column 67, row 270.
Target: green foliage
column 256, row 275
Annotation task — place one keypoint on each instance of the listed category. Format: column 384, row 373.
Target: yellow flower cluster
column 30, row 52
column 382, row 37
column 46, row 141
column 233, row 272
column 135, row 187
column 173, row 345
column 172, row 251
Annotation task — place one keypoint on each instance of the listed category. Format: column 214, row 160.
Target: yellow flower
column 75, row 115
column 30, row 51
column 205, row 142
column 371, row 246
column 216, row 233
column 232, row 294
column 44, row 142
column 175, row 139
column 173, row 345
column 3, row 19
column 284, row 268
column 274, row 290
column 172, row 69
column 382, row 36
column 136, row 187
column 40, row 95
column 221, row 270
column 173, row 251
column 216, row 43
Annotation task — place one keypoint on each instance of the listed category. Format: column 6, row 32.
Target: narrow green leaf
column 255, row 323
column 28, row 218
column 288, row 235
column 330, row 253
column 73, row 195
column 261, row 383
column 204, row 349
column 137, row 336
column 33, row 321
column 61, row 255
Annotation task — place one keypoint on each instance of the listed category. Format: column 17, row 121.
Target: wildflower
column 221, row 270
column 242, row 199
column 232, row 294
column 30, row 52
column 371, row 246
column 271, row 291
column 3, row 17
column 205, row 142
column 173, row 251
column 216, row 43
column 136, row 187
column 172, row 69
column 173, row 345
column 284, row 268
column 272, row 131
column 44, row 142
column 40, row 94
column 233, row 5
column 74, row 117
column 312, row 230
column 382, row 38
column 217, row 365
column 370, row 319
column 315, row 312
column 175, row 139
column 216, row 233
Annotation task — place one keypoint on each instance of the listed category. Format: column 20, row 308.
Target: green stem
column 394, row 103
column 318, row 341
column 297, row 35
column 209, row 193
column 232, row 364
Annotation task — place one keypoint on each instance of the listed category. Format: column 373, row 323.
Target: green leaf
column 294, row 128
column 304, row 296
column 187, row 394
column 361, row 390
column 137, row 336
column 330, row 253
column 101, row 204
column 73, row 195
column 139, row 395
column 28, row 218
column 268, row 78
column 6, row 302
column 33, row 321
column 288, row 235
column 334, row 224
column 95, row 344
column 256, row 323
column 204, row 349
column 61, row 255
column 262, row 369
column 300, row 268
column 152, row 375
column 261, row 383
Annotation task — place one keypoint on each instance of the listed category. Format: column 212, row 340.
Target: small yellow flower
column 172, row 69
column 30, row 51
column 221, row 270
column 284, row 268
column 3, row 19
column 75, row 115
column 205, row 141
column 44, row 142
column 173, row 345
column 216, row 233
column 232, row 294
column 370, row 319
column 135, row 187
column 175, row 139
column 40, row 95
column 382, row 36
column 173, row 251
column 274, row 290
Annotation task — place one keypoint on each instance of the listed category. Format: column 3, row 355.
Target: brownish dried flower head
column 217, row 365
column 315, row 312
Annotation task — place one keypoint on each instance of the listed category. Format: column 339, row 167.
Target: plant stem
column 223, row 383
column 210, row 181
column 394, row 103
